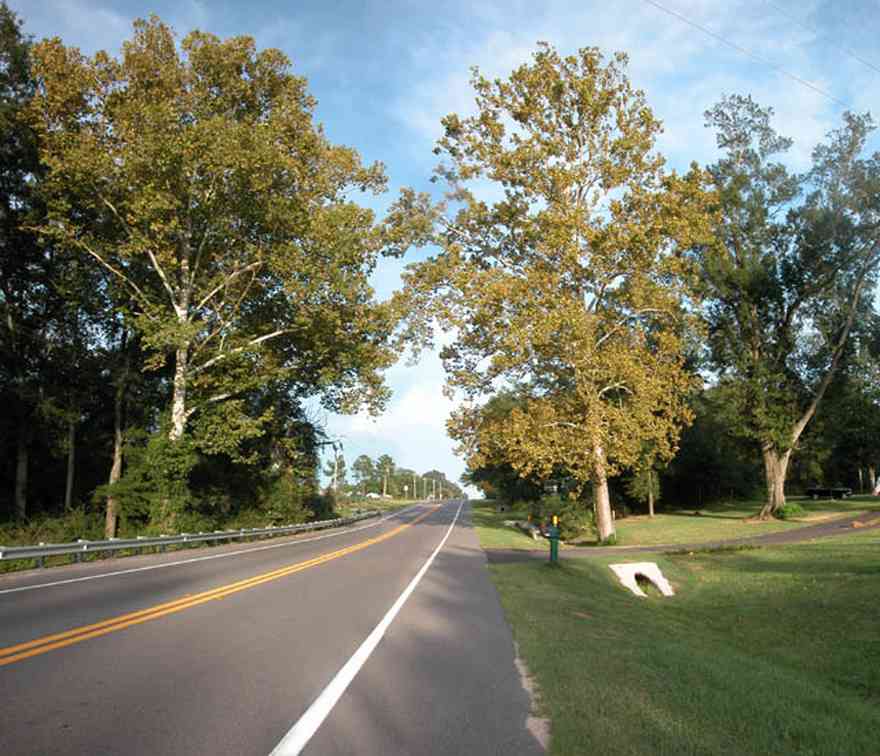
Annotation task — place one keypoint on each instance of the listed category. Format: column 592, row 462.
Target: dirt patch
column 539, row 727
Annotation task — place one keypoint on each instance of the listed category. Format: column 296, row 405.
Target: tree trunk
column 872, row 477
column 775, row 470
column 384, row 485
column 111, row 517
column 650, row 493
column 178, row 403
column 71, row 461
column 21, row 473
column 601, row 498
column 861, row 481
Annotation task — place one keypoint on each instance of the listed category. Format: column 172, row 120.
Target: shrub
column 789, row 511
column 576, row 518
column 283, row 501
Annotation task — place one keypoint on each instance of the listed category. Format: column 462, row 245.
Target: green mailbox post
column 553, row 537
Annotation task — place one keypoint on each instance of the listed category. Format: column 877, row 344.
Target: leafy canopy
column 569, row 286
column 195, row 176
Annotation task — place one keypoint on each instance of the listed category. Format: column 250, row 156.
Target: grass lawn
column 717, row 522
column 494, row 534
column 762, row 651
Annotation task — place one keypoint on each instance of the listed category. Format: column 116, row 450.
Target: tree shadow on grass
column 809, row 560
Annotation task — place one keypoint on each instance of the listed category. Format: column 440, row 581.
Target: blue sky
column 384, row 73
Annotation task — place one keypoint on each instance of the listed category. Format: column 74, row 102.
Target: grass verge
column 494, row 534
column 721, row 521
column 772, row 650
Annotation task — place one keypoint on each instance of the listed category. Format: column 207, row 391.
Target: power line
column 818, row 31
column 749, row 53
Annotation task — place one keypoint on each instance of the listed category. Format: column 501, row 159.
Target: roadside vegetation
column 769, row 650
column 185, row 280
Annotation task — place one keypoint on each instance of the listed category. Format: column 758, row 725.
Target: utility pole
column 433, row 488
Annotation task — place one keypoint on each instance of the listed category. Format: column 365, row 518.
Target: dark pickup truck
column 829, row 493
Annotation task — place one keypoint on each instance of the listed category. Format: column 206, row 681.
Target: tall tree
column 789, row 278
column 335, row 470
column 196, row 177
column 385, row 468
column 27, row 300
column 571, row 284
column 364, row 471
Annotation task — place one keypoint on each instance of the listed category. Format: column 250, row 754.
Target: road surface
column 181, row 654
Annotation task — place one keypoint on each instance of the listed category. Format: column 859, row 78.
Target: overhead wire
column 749, row 53
column 816, row 30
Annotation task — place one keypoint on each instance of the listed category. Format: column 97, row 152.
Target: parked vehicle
column 833, row 492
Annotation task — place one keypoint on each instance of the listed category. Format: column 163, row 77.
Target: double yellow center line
column 20, row 651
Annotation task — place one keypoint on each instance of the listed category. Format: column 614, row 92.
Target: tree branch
column 238, row 350
column 612, row 386
column 636, row 314
column 119, row 274
column 212, row 400
column 207, row 298
column 838, row 348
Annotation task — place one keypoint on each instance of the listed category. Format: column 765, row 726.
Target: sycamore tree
column 570, row 284
column 195, row 177
column 791, row 277
column 335, row 470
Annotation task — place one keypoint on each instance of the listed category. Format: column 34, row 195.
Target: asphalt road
column 224, row 655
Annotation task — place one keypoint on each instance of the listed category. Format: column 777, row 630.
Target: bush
column 789, row 511
column 322, row 506
column 576, row 518
column 282, row 502
column 66, row 528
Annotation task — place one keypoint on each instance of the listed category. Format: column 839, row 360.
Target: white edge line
column 206, row 558
column 307, row 725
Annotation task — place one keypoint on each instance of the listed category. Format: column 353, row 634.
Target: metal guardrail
column 82, row 546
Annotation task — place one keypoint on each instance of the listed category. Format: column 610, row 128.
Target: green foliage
column 579, row 310
column 195, row 180
column 321, row 506
column 789, row 510
column 643, row 484
column 783, row 286
column 78, row 522
column 576, row 518
column 155, row 487
column 283, row 502
column 712, row 464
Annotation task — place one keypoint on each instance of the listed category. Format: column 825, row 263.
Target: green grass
column 773, row 650
column 860, row 503
column 718, row 522
column 494, row 534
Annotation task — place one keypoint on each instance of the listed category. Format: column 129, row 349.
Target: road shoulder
column 445, row 674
